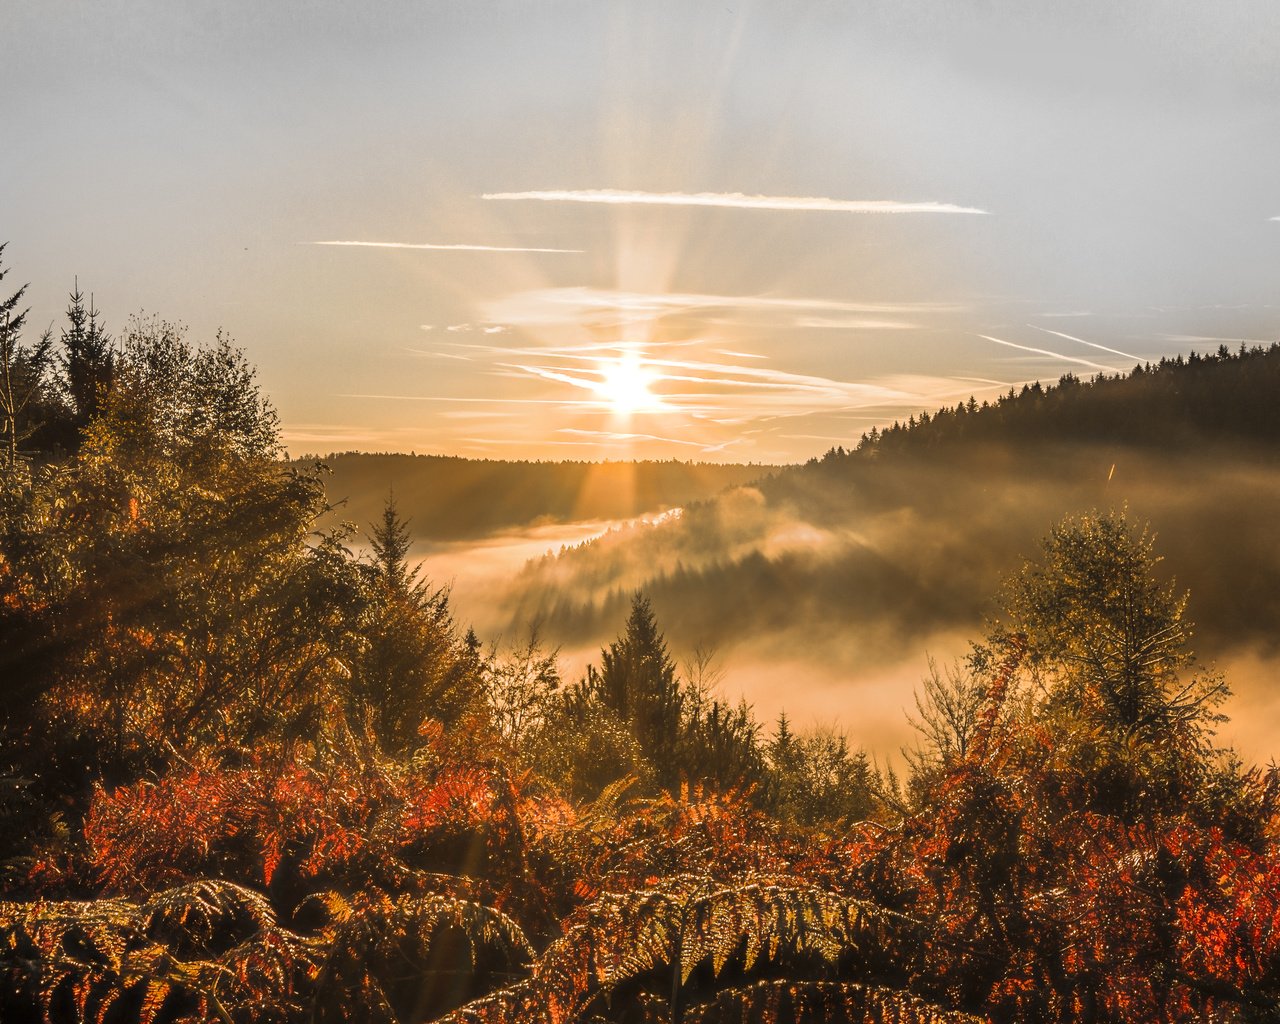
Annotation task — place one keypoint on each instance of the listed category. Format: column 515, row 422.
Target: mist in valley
column 825, row 590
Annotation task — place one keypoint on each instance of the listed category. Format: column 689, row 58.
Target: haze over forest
column 823, row 589
column 640, row 512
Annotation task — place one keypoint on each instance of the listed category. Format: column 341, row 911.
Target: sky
column 733, row 231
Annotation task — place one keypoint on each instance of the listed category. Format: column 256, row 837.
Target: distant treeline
column 868, row 552
column 451, row 498
column 1225, row 396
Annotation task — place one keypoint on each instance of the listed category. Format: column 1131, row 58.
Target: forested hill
column 449, row 498
column 865, row 554
column 1225, row 397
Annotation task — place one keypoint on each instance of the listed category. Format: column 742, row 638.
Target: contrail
column 453, row 248
column 1054, row 355
column 736, row 200
column 1103, row 348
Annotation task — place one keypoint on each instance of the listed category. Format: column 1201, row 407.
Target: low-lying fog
column 826, row 594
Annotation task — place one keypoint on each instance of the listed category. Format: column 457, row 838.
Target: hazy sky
column 732, row 231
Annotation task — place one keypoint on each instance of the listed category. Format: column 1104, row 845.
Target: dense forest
column 247, row 775
column 452, row 498
column 906, row 535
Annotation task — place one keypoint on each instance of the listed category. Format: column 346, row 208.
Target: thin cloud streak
column 1052, row 355
column 854, row 324
column 438, row 355
column 439, row 247
column 1071, row 337
column 614, row 307
column 733, row 200
column 454, row 398
column 613, row 435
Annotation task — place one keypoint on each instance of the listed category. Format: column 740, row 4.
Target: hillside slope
column 450, row 498
column 864, row 554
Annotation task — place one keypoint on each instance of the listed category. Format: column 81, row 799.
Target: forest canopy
column 250, row 775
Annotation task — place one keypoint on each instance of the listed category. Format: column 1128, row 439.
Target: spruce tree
column 637, row 680
column 390, row 542
column 22, row 373
column 87, row 359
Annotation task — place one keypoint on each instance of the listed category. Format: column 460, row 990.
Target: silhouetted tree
column 87, row 360
column 22, row 373
column 390, row 542
column 1093, row 613
column 637, row 680
column 412, row 664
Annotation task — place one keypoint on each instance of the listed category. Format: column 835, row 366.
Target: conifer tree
column 87, row 359
column 390, row 542
column 637, row 680
column 21, row 373
column 414, row 664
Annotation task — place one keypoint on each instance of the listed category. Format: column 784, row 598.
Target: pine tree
column 637, row 681
column 87, row 359
column 22, row 372
column 414, row 665
column 12, row 318
column 390, row 542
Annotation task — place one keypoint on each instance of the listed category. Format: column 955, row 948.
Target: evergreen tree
column 87, row 360
column 22, row 373
column 637, row 681
column 413, row 666
column 390, row 542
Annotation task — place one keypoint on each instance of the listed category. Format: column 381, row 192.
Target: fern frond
column 685, row 923
column 211, row 947
column 393, row 952
column 201, row 909
column 821, row 1002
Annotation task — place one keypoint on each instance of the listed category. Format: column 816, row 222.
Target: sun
column 625, row 383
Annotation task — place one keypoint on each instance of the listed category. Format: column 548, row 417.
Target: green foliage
column 88, row 361
column 678, row 939
column 520, row 686
column 206, row 950
column 637, row 682
column 390, row 542
column 1104, row 645
column 719, row 743
column 816, row 780
column 788, row 1002
column 160, row 588
column 411, row 664
column 1114, row 637
column 1177, row 402
column 24, row 389
column 583, row 746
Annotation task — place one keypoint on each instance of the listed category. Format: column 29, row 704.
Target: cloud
column 296, row 434
column 614, row 307
column 854, row 323
column 614, row 435
column 734, row 200
column 438, row 355
column 1070, row 337
column 447, row 248
column 1052, row 355
column 458, row 398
